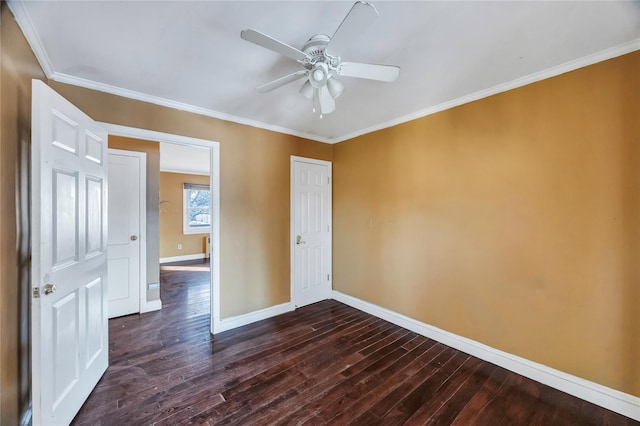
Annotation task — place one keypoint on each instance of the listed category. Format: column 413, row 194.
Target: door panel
column 69, row 322
column 95, row 312
column 94, row 216
column 118, row 273
column 65, row 218
column 311, row 215
column 66, row 334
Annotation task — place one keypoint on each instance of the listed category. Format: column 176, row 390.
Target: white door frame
column 292, row 231
column 214, row 182
column 143, row 305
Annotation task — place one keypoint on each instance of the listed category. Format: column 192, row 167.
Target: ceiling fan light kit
column 335, row 87
column 321, row 66
column 307, row 90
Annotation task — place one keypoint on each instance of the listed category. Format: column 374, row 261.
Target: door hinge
column 36, row 292
column 328, row 179
column 328, row 279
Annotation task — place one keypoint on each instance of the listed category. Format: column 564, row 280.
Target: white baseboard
column 220, row 325
column 611, row 399
column 182, row 258
column 153, row 305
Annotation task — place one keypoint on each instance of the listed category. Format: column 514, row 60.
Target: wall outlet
column 179, row 246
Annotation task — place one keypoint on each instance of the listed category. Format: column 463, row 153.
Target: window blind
column 196, row 186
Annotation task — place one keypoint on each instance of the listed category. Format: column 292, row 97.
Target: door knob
column 134, row 237
column 299, row 240
column 49, row 288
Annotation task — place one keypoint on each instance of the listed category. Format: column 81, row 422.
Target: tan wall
column 254, row 200
column 171, row 229
column 152, row 149
column 18, row 67
column 513, row 220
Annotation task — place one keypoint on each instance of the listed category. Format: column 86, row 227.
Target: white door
column 126, row 198
column 310, row 230
column 69, row 264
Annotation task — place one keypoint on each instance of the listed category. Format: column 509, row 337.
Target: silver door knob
column 299, row 240
column 134, row 237
column 49, row 288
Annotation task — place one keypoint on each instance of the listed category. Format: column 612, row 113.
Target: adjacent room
column 311, row 212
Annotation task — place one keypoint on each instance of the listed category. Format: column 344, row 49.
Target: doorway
column 214, row 179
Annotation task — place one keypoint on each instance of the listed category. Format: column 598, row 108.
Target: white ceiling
column 184, row 159
column 189, row 55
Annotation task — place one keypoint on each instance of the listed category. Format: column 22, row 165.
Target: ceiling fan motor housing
column 316, row 53
column 314, row 47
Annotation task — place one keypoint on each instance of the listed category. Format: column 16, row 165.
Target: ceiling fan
column 321, row 62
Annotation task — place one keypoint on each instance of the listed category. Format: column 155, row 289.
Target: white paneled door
column 126, row 236
column 69, row 256
column 310, row 230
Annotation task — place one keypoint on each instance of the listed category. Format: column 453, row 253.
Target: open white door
column 126, row 248
column 69, row 262
column 310, row 230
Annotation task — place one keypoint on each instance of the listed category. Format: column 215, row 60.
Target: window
column 196, row 209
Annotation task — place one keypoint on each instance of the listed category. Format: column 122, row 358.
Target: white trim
column 153, row 136
column 131, row 94
column 620, row 402
column 142, row 247
column 214, row 183
column 182, row 258
column 292, row 230
column 183, row 172
column 154, row 305
column 203, row 230
column 575, row 64
column 240, row 320
column 30, row 33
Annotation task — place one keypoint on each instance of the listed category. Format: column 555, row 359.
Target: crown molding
column 575, row 64
column 30, row 33
column 131, row 94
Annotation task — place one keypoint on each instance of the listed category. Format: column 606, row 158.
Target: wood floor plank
column 401, row 392
column 469, row 412
column 444, row 393
column 411, row 403
column 357, row 401
column 325, row 363
column 451, row 408
column 338, row 384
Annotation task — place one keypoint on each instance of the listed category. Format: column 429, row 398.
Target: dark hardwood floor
column 323, row 364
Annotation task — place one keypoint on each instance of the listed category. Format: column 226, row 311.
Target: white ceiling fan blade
column 267, row 87
column 272, row 44
column 370, row 71
column 361, row 15
column 327, row 104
